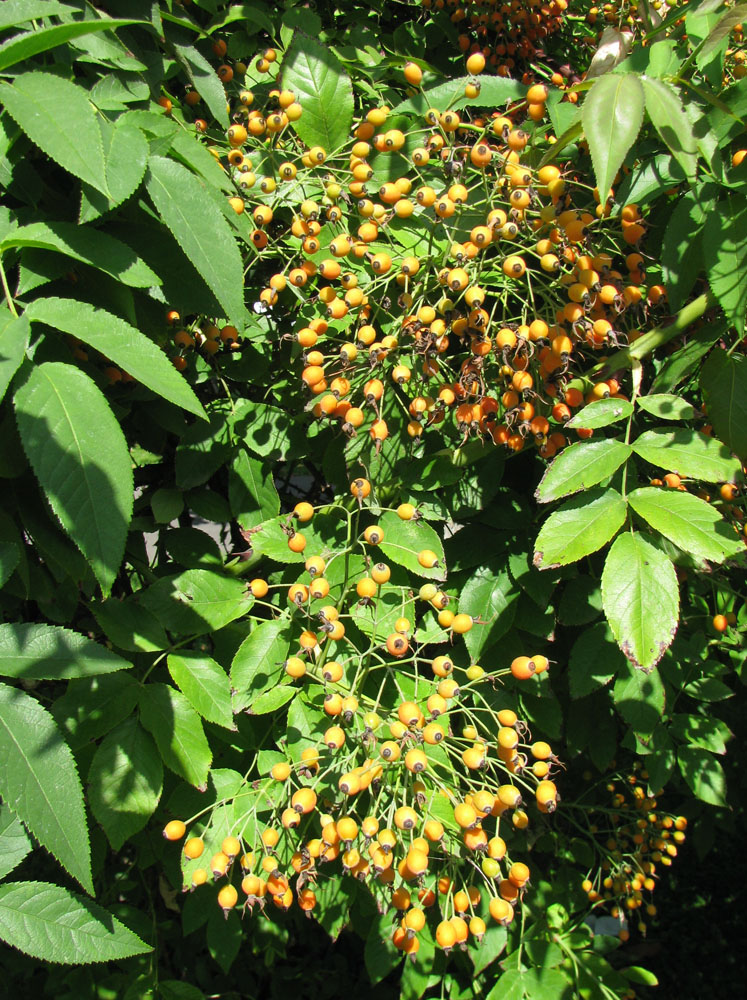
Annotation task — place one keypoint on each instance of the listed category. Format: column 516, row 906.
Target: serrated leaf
column 584, row 464
column 30, row 44
column 196, row 601
column 201, row 230
column 704, row 731
column 56, row 925
column 612, row 115
column 91, row 246
column 93, row 706
column 688, row 453
column 579, row 527
column 125, row 781
column 80, row 457
column 14, row 339
column 490, row 596
column 601, row 413
column 494, row 92
column 39, row 781
column 205, row 80
column 639, row 698
column 723, row 381
column 251, row 490
column 664, row 108
column 126, row 155
column 704, row 774
column 725, row 252
column 594, row 660
column 204, row 683
column 120, row 343
column 667, row 406
column 65, row 128
column 129, row 625
column 691, row 523
column 272, row 700
column 258, row 663
column 178, row 732
column 681, row 248
column 323, row 88
column 14, row 12
column 10, row 556
column 15, row 844
column 50, row 652
column 403, row 540
column 686, row 359
column 379, row 954
column 641, row 599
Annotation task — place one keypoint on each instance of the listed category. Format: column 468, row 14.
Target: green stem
column 648, row 343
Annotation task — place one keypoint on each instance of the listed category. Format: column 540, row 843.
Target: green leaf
column 581, row 526
column 64, row 128
column 79, row 454
column 43, row 39
column 725, row 251
column 704, row 774
column 178, row 732
column 91, row 246
column 14, row 339
column 93, row 706
column 667, row 406
column 40, row 783
column 129, row 625
column 594, row 660
column 721, row 31
column 205, row 685
column 14, row 841
column 55, row 925
column 203, row 448
column 682, row 246
column 612, row 115
column 258, row 663
column 641, row 599
column 708, row 689
column 636, row 974
column 14, row 12
column 120, row 343
column 688, row 453
column 685, row 360
column 251, row 490
column 601, row 413
column 166, row 504
column 490, row 596
column 322, row 87
column 691, row 523
column 723, row 381
column 584, row 464
column 702, row 731
column 125, row 782
column 50, row 652
column 272, row 700
column 403, row 540
column 201, row 230
column 494, row 92
column 196, row 602
column 664, row 108
column 205, row 80
column 379, row 954
column 10, row 556
column 126, row 155
column 639, row 698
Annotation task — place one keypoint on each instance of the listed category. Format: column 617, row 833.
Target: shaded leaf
column 15, row 844
column 50, row 652
column 723, row 381
column 40, row 783
column 664, row 108
column 178, row 732
column 196, row 601
column 204, row 683
column 125, row 781
column 79, row 454
column 704, row 774
column 688, row 453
